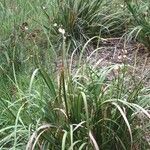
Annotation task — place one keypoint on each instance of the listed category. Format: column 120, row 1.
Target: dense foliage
column 73, row 105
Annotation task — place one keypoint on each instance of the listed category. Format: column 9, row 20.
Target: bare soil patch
column 116, row 51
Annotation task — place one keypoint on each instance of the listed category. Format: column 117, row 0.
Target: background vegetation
column 44, row 106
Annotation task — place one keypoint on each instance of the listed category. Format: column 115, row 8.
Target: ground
column 117, row 51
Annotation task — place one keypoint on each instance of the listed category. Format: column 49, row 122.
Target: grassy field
column 55, row 94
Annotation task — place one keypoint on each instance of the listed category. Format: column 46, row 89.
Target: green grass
column 86, row 107
column 140, row 15
column 84, row 19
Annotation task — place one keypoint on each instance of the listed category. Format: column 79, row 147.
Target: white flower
column 55, row 24
column 121, row 6
column 43, row 7
column 61, row 30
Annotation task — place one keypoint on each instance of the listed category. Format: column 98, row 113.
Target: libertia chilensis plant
column 140, row 21
column 81, row 107
column 89, row 110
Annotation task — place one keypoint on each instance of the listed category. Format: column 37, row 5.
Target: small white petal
column 61, row 30
column 26, row 28
column 43, row 7
column 55, row 25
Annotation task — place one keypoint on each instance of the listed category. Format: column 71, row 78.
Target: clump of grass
column 88, row 110
column 85, row 19
column 141, row 22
